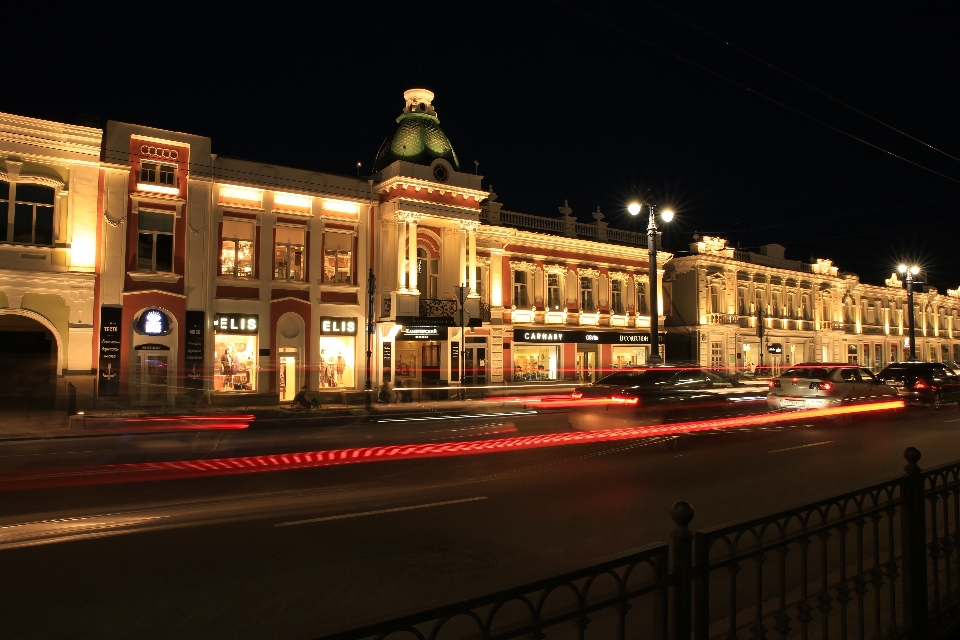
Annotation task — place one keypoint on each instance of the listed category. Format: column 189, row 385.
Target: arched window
column 28, row 213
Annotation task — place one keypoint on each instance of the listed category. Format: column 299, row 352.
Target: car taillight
column 629, row 400
column 921, row 384
column 822, row 386
column 794, row 380
column 576, row 395
column 774, row 383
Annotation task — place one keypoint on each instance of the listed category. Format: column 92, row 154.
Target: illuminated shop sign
column 776, row 347
column 338, row 326
column 423, row 333
column 236, row 323
column 597, row 337
column 153, row 322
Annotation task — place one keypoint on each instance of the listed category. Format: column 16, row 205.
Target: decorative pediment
column 619, row 275
column 555, row 268
column 894, row 281
column 522, row 265
column 824, row 267
column 588, row 272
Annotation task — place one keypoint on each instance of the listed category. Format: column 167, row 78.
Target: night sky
column 576, row 100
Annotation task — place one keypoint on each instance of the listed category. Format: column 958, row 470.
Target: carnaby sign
column 565, row 336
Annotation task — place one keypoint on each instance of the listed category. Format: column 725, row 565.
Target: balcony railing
column 485, row 312
column 527, row 221
column 587, row 230
column 438, row 308
column 722, row 318
column 627, row 237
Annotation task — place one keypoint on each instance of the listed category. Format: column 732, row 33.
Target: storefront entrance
column 151, row 376
column 586, row 364
column 475, row 361
column 288, row 374
column 30, row 352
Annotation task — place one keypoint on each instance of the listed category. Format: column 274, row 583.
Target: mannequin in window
column 228, row 365
column 323, row 368
column 341, row 365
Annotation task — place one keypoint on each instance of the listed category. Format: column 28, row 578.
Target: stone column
column 472, row 257
column 401, row 252
column 412, row 220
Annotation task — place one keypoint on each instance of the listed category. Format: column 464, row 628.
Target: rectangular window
column 236, row 362
column 775, row 304
column 643, row 302
column 338, row 257
column 162, row 174
column 716, row 354
column 742, row 301
column 554, row 299
column 616, row 297
column 237, row 248
column 32, row 214
column 537, row 362
column 587, row 303
column 520, row 298
column 155, row 241
column 289, row 262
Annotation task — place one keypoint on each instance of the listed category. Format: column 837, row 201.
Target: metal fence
column 879, row 562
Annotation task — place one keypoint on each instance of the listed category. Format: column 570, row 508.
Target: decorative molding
column 137, row 198
column 558, row 269
column 402, row 182
column 469, row 225
column 619, row 275
column 42, row 180
column 522, row 265
column 588, row 272
column 141, row 276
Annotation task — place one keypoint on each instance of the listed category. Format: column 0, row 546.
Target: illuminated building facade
column 547, row 299
column 227, row 281
column 49, row 244
column 812, row 312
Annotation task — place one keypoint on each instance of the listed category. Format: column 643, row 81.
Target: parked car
column 821, row 385
column 931, row 383
column 644, row 396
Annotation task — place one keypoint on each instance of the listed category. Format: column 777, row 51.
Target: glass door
column 287, row 381
column 586, row 365
column 474, row 365
column 152, row 370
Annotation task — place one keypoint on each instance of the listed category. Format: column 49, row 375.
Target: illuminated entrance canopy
column 578, row 336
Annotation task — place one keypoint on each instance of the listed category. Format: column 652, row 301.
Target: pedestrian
column 301, row 400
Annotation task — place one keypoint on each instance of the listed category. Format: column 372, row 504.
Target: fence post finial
column 912, row 456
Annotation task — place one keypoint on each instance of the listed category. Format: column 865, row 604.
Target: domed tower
column 418, row 138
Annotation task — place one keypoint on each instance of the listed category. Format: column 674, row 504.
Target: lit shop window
column 289, row 262
column 155, row 241
column 540, row 362
column 161, row 174
column 236, row 365
column 32, row 215
column 338, row 257
column 336, row 361
column 236, row 249
column 626, row 357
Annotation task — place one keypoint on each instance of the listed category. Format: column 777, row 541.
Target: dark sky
column 566, row 101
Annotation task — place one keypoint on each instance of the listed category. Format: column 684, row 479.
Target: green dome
column 418, row 137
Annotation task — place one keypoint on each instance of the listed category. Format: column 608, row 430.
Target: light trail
column 167, row 423
column 181, row 469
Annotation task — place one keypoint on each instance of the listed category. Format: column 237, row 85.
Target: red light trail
column 173, row 470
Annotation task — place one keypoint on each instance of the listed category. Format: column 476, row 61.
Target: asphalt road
column 293, row 553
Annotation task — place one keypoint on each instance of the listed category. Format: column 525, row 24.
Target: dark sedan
column 656, row 395
column 930, row 383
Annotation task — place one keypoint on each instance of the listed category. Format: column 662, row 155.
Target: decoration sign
column 427, row 321
column 455, row 361
column 597, row 337
column 338, row 326
column 244, row 323
column 108, row 378
column 422, row 333
column 194, row 343
column 387, row 361
column 153, row 322
column 775, row 348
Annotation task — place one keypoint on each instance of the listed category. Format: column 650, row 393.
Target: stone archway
column 33, row 349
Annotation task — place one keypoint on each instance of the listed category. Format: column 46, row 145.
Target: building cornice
column 402, row 182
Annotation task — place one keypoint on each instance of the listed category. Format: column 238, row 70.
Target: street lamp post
column 909, row 272
column 666, row 215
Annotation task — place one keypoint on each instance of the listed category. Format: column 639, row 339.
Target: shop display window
column 336, row 366
column 540, row 362
column 236, row 364
column 626, row 357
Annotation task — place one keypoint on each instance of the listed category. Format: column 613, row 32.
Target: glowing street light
column 666, row 215
column 909, row 272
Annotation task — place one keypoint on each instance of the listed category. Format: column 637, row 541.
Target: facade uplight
column 292, row 200
column 341, row 206
column 157, row 188
column 239, row 193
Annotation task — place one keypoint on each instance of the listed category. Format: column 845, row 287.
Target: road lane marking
column 802, row 446
column 379, row 511
column 954, row 420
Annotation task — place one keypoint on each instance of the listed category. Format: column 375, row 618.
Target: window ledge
column 147, row 276
column 234, row 281
column 338, row 285
column 292, row 286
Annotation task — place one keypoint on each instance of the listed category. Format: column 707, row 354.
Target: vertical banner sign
column 108, row 378
column 455, row 361
column 387, row 361
column 194, row 343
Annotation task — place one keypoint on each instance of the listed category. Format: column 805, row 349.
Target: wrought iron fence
column 879, row 562
column 438, row 308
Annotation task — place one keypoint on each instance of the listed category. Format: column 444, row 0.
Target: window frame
column 10, row 216
column 351, row 235
column 525, row 289
column 592, row 290
column 173, row 240
column 616, row 298
column 236, row 249
column 158, row 172
column 643, row 298
column 288, row 248
column 558, row 288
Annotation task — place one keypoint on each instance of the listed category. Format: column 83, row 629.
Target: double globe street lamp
column 909, row 272
column 666, row 215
